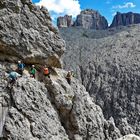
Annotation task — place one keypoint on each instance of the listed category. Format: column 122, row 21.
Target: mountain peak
column 88, row 18
column 124, row 19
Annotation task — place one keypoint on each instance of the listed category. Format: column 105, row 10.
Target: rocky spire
column 88, row 19
column 65, row 21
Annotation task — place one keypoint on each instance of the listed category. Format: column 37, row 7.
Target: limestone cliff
column 107, row 64
column 65, row 21
column 88, row 19
column 51, row 109
column 91, row 19
column 26, row 33
column 124, row 19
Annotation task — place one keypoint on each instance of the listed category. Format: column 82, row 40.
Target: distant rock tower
column 88, row 19
column 125, row 19
column 91, row 19
column 65, row 21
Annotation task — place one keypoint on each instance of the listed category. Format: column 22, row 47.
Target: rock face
column 124, row 19
column 91, row 19
column 30, row 114
column 26, row 33
column 81, row 118
column 57, row 111
column 88, row 19
column 108, row 66
column 130, row 137
column 65, row 21
column 50, row 108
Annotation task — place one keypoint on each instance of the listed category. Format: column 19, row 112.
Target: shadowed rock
column 124, row 19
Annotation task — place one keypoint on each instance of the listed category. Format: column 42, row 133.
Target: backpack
column 21, row 66
column 33, row 71
column 46, row 71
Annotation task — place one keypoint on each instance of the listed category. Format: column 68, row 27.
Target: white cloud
column 61, row 7
column 114, row 14
column 126, row 5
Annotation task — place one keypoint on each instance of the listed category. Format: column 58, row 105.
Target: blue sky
column 107, row 8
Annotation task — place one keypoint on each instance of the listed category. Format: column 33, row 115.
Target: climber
column 12, row 78
column 46, row 72
column 68, row 77
column 33, row 71
column 20, row 67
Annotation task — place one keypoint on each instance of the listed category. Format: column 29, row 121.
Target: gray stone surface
column 108, row 66
column 58, row 111
column 130, row 137
column 124, row 19
column 91, row 19
column 26, row 33
column 28, row 112
column 82, row 119
column 65, row 21
column 106, row 63
column 4, row 100
column 3, row 114
column 88, row 19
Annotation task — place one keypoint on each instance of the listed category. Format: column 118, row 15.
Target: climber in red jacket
column 46, row 71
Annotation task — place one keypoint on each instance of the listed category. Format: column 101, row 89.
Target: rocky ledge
column 52, row 110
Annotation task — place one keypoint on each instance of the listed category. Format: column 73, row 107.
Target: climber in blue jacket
column 20, row 67
column 12, row 78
